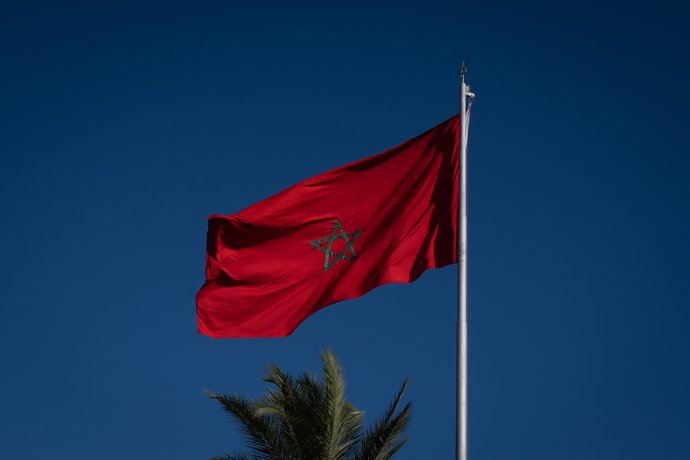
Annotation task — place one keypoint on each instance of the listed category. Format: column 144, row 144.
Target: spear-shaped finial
column 463, row 70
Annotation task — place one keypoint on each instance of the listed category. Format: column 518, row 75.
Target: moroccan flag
column 338, row 235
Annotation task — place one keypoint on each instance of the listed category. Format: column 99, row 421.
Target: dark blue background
column 124, row 125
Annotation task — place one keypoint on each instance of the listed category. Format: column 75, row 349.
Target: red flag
column 335, row 236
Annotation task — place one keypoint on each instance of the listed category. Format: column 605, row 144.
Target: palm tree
column 308, row 418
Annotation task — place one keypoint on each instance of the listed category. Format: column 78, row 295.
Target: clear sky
column 123, row 126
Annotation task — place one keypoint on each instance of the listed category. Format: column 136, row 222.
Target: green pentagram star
column 346, row 254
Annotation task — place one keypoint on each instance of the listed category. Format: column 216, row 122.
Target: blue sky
column 123, row 126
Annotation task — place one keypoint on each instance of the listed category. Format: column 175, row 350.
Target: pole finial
column 463, row 69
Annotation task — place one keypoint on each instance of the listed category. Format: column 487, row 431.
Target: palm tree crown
column 308, row 418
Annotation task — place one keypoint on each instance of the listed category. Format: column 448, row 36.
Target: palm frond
column 382, row 440
column 297, row 411
column 261, row 435
column 309, row 418
column 343, row 419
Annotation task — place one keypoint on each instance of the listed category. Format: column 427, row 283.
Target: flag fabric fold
column 335, row 236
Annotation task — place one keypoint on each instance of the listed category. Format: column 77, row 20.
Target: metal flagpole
column 461, row 333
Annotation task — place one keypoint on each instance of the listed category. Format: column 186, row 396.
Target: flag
column 335, row 236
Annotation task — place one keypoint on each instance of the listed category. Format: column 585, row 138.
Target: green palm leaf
column 310, row 418
column 383, row 440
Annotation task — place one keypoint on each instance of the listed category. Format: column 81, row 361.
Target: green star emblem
column 348, row 253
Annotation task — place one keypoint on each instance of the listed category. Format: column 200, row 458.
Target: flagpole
column 461, row 332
